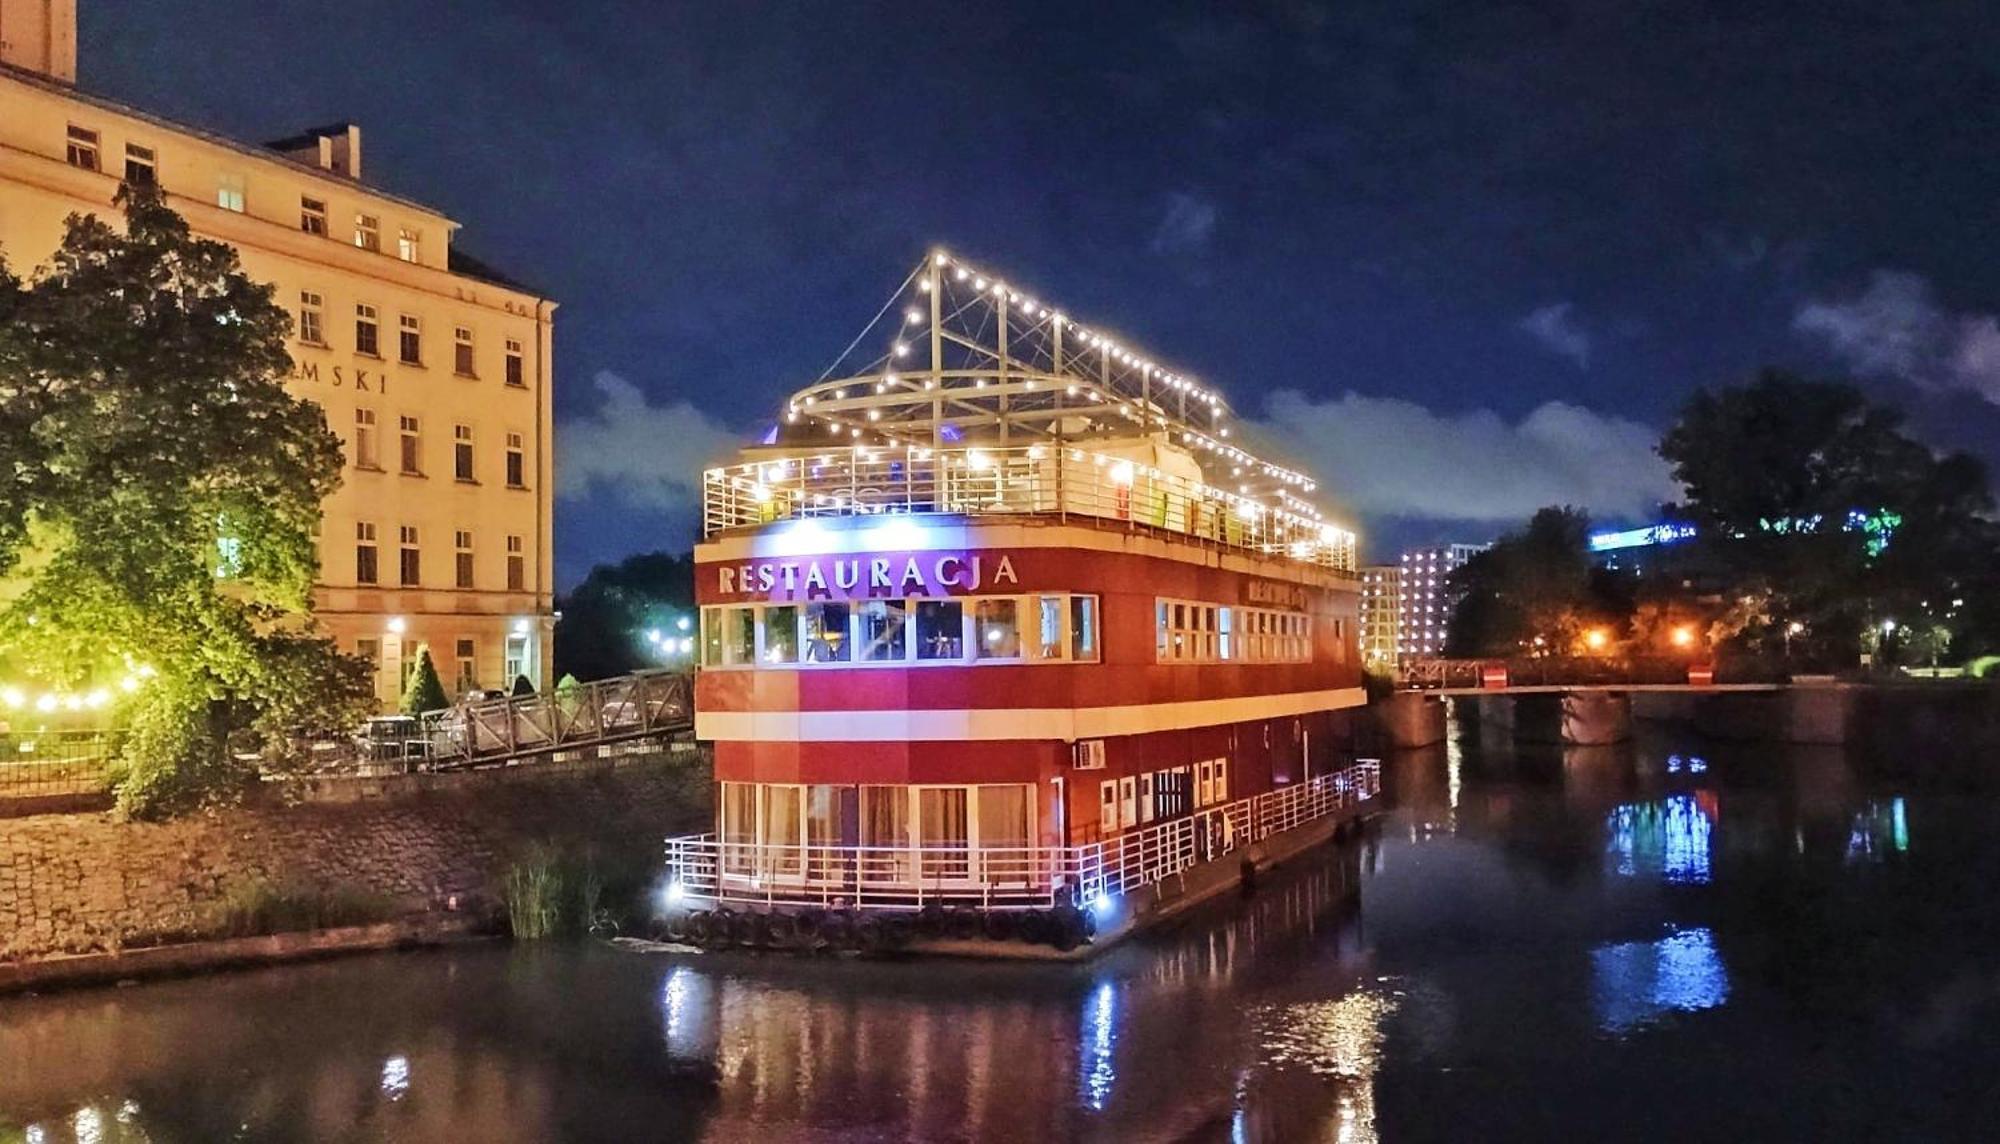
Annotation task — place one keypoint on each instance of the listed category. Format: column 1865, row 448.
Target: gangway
column 495, row 732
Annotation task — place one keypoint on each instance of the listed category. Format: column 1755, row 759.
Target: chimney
column 335, row 147
column 40, row 36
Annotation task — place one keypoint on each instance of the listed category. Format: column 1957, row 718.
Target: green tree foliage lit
column 1536, row 591
column 158, row 500
column 1773, row 471
column 604, row 620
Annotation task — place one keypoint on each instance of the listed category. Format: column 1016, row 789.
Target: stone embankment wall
column 80, row 883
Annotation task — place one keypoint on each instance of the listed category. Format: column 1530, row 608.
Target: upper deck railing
column 1043, row 479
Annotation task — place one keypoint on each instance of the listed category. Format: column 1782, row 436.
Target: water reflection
column 1585, row 926
column 1634, row 983
column 1672, row 838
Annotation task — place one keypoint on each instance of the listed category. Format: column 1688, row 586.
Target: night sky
column 1466, row 259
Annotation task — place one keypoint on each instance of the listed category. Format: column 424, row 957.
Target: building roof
column 56, row 87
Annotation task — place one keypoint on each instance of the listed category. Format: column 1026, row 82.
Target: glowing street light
column 1596, row 639
column 1683, row 636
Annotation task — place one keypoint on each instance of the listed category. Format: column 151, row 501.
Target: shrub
column 253, row 909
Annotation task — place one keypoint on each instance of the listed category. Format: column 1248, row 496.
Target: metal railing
column 1028, row 479
column 55, row 764
column 709, row 869
column 1569, row 671
column 641, row 705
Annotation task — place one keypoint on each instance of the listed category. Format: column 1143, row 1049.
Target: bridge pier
column 1411, row 719
column 1579, row 718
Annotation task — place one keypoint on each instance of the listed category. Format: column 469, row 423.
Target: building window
column 367, row 331
column 461, row 542
column 516, row 463
column 461, row 352
column 461, row 452
column 517, row 565
column 368, row 232
column 409, row 244
column 412, row 455
column 467, row 656
column 409, row 567
column 312, row 215
column 229, row 192
column 365, row 456
column 370, row 649
column 365, row 570
column 516, row 371
column 409, row 339
column 139, row 166
column 83, row 152
column 312, row 318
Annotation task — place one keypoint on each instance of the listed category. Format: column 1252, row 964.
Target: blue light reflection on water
column 1100, row 1037
column 1673, row 837
column 1634, row 983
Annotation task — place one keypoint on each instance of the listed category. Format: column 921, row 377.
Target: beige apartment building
column 433, row 370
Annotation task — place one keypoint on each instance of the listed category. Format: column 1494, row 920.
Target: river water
column 1657, row 941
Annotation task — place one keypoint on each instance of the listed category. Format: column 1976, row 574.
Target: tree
column 1534, row 592
column 605, row 619
column 425, row 692
column 159, row 499
column 1807, row 492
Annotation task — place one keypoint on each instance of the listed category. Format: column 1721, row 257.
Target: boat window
column 739, row 633
column 996, row 629
column 826, row 633
column 1083, row 628
column 882, row 631
column 781, row 634
column 1048, row 627
column 940, row 629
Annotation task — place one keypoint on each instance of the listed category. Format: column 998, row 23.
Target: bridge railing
column 1570, row 671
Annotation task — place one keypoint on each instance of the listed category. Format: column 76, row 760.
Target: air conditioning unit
column 1087, row 755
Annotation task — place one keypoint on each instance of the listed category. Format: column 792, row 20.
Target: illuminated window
column 781, row 634
column 229, row 192
column 368, row 232
column 365, row 569
column 826, row 633
column 462, row 551
column 996, row 629
column 883, row 631
column 312, row 318
column 461, row 351
column 517, row 564
column 139, row 162
column 409, row 244
column 409, row 339
column 461, row 452
column 1083, row 629
column 312, row 215
column 83, row 149
column 367, row 330
column 940, row 629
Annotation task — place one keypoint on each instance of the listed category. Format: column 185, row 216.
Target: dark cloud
column 1186, row 227
column 630, row 451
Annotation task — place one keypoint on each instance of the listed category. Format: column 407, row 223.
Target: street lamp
column 1683, row 636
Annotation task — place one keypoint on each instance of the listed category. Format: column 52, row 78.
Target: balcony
column 1031, row 480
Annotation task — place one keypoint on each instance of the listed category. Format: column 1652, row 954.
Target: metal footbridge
column 646, row 705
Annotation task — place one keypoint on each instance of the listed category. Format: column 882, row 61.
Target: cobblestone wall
column 76, row 883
